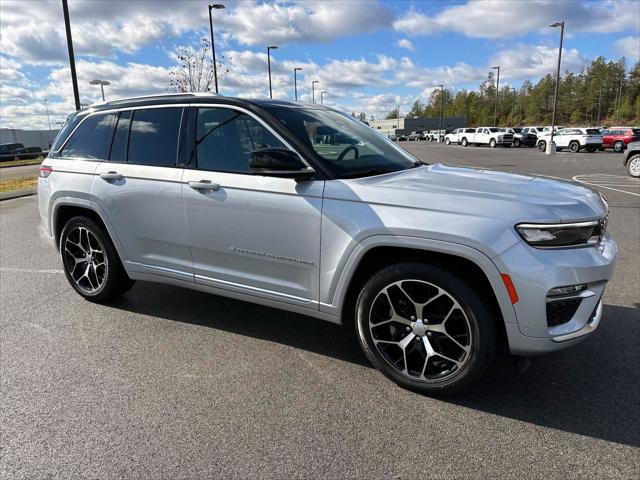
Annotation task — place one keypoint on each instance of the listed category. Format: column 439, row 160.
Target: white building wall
column 29, row 138
column 387, row 127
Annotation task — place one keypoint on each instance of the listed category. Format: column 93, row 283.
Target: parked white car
column 491, row 136
column 458, row 134
column 535, row 130
column 574, row 139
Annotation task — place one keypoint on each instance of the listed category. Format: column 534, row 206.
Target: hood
column 477, row 192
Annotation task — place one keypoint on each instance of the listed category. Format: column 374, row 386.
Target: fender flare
column 339, row 290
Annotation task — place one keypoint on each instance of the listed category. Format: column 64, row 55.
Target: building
column 408, row 125
column 29, row 138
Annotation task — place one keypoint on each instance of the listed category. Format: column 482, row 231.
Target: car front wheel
column 516, row 143
column 618, row 147
column 464, row 142
column 425, row 328
column 542, row 145
column 492, row 143
column 574, row 147
column 447, row 141
column 633, row 166
column 91, row 263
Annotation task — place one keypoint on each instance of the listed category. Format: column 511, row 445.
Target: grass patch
column 18, row 163
column 18, row 184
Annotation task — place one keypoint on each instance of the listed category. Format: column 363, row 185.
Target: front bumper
column 535, row 272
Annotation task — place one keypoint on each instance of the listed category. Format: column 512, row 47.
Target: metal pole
column 72, row 61
column 295, row 83
column 555, row 95
column 269, row 66
column 46, row 106
column 441, row 110
column 599, row 102
column 313, row 90
column 495, row 112
column 102, row 90
column 213, row 51
column 619, row 101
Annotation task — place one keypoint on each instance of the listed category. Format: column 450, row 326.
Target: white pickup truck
column 457, row 135
column 574, row 139
column 491, row 136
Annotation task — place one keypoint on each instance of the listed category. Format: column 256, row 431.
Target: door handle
column 204, row 185
column 111, row 176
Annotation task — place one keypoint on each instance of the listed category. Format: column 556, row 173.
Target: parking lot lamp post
column 599, row 103
column 269, row 48
column 47, row 109
column 295, row 82
column 513, row 107
column 102, row 83
column 322, row 92
column 619, row 100
column 72, row 60
column 313, row 90
column 441, row 110
column 495, row 112
column 215, row 6
column 555, row 95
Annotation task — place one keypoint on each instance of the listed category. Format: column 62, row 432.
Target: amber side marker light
column 511, row 289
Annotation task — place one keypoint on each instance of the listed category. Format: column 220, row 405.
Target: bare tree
column 194, row 69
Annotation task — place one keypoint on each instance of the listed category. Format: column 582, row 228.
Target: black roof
column 177, row 98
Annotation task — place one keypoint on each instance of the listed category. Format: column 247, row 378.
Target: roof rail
column 157, row 95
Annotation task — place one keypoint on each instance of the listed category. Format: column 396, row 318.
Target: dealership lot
column 171, row 383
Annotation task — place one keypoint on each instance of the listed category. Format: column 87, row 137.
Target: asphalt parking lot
column 171, row 383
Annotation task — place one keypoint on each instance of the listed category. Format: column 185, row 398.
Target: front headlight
column 581, row 234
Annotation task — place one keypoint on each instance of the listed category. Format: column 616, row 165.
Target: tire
column 447, row 141
column 591, row 149
column 574, row 147
column 516, row 143
column 618, row 147
column 542, row 145
column 492, row 143
column 464, row 142
column 84, row 241
column 460, row 309
column 633, row 166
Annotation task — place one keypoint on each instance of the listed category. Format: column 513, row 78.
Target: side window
column 225, row 139
column 92, row 138
column 154, row 137
column 120, row 138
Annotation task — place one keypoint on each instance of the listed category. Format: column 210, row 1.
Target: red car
column 619, row 137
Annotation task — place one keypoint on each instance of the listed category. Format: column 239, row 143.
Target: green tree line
column 602, row 95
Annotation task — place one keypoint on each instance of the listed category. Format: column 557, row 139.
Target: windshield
column 349, row 148
column 494, row 130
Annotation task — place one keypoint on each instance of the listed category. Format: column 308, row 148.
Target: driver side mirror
column 279, row 162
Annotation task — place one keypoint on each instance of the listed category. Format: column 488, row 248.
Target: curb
column 24, row 192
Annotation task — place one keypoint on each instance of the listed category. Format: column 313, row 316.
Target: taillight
column 44, row 171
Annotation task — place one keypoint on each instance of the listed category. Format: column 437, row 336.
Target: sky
column 368, row 55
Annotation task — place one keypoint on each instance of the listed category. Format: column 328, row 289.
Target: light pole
column 102, row 83
column 599, row 103
column 215, row 6
column 495, row 111
column 555, row 95
column 513, row 107
column 72, row 60
column 269, row 48
column 322, row 92
column 295, row 81
column 47, row 109
column 313, row 90
column 441, row 110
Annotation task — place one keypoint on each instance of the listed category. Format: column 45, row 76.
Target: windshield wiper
column 367, row 173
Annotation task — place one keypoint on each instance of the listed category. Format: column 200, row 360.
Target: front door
column 249, row 234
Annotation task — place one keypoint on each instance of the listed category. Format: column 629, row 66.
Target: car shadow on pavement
column 591, row 389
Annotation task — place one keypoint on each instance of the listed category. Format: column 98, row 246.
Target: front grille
column 561, row 311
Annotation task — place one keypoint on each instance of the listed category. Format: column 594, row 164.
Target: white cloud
column 405, row 43
column 534, row 61
column 499, row 19
column 629, row 47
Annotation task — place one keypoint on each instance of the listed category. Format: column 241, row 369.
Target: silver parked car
column 303, row 208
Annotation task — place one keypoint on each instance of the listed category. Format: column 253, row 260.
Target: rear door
column 249, row 234
column 140, row 191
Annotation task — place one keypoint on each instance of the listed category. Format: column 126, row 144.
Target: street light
column 313, row 90
column 215, row 6
column 322, row 97
column 72, row 60
column 269, row 48
column 102, row 84
column 513, row 107
column 619, row 100
column 555, row 95
column 495, row 112
column 441, row 110
column 47, row 109
column 295, row 81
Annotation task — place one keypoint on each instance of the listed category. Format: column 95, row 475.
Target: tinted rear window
column 636, row 131
column 92, row 138
column 119, row 145
column 154, row 137
column 593, row 131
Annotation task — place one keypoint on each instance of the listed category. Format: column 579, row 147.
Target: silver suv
column 302, row 208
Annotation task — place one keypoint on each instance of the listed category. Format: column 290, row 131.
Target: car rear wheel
column 591, row 149
column 91, row 263
column 574, row 147
column 464, row 142
column 425, row 328
column 618, row 147
column 447, row 141
column 633, row 166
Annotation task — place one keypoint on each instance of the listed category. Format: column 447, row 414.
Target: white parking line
column 610, row 182
column 29, row 270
